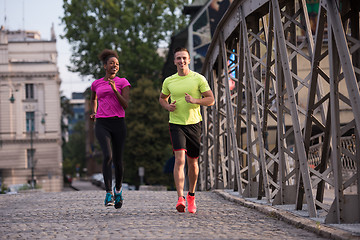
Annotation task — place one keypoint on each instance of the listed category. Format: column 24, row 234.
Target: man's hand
column 188, row 98
column 172, row 106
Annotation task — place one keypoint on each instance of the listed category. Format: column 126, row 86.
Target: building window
column 30, row 158
column 29, row 91
column 30, row 120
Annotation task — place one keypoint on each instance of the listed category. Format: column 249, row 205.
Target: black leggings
column 111, row 133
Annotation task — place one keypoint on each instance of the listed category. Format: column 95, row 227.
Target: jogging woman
column 109, row 98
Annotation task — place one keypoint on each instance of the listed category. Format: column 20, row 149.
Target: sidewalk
column 83, row 185
column 299, row 219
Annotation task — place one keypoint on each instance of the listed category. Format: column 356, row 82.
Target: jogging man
column 188, row 90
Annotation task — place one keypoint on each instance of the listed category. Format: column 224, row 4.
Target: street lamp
column 12, row 99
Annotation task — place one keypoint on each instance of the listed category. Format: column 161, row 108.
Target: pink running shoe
column 180, row 206
column 191, row 203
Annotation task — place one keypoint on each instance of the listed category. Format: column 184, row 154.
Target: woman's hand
column 112, row 84
column 92, row 116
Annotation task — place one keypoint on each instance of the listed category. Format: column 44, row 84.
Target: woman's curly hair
column 106, row 54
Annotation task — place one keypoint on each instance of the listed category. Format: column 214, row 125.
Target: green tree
column 66, row 112
column 148, row 142
column 74, row 150
column 135, row 28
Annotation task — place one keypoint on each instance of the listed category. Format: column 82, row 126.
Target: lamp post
column 32, row 161
column 32, row 158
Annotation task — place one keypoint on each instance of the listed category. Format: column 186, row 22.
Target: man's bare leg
column 193, row 172
column 179, row 176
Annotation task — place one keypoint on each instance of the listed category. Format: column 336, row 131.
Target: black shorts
column 186, row 137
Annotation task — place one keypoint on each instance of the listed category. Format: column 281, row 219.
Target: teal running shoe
column 118, row 199
column 109, row 200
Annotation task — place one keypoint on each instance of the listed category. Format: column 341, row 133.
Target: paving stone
column 144, row 215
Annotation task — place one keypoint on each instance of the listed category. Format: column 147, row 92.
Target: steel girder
column 276, row 130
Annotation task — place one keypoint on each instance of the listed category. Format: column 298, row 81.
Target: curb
column 299, row 222
column 74, row 188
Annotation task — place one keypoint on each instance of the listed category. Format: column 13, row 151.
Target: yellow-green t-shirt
column 176, row 86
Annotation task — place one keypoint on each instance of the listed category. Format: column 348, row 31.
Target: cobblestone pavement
column 144, row 215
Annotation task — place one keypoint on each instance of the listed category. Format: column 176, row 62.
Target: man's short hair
column 180, row 49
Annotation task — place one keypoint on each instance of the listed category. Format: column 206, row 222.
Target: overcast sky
column 39, row 15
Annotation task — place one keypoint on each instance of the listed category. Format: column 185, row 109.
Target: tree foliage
column 148, row 142
column 134, row 28
column 66, row 112
column 74, row 150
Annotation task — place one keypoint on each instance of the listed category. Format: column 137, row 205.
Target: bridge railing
column 347, row 162
column 278, row 87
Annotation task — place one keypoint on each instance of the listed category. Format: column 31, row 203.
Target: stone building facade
column 30, row 131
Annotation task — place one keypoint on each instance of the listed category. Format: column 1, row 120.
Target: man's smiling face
column 182, row 60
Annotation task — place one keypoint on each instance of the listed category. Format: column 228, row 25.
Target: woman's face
column 112, row 65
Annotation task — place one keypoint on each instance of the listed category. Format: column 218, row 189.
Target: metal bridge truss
column 277, row 129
